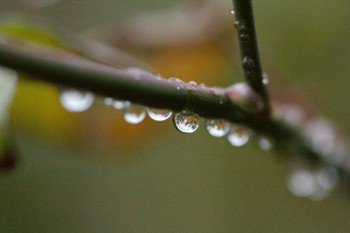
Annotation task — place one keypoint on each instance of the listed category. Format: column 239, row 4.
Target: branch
column 249, row 49
column 237, row 103
column 67, row 69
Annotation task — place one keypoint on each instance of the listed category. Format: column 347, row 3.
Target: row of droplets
column 186, row 122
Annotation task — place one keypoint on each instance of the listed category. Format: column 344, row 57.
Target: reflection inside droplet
column 186, row 122
column 76, row 101
column 158, row 114
column 238, row 135
column 134, row 113
column 217, row 127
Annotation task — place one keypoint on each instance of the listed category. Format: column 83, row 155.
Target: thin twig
column 249, row 49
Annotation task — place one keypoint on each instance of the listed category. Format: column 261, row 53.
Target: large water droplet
column 186, row 122
column 158, row 114
column 76, row 101
column 134, row 113
column 238, row 135
column 218, row 127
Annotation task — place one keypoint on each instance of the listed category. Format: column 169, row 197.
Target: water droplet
column 139, row 73
column 265, row 78
column 119, row 104
column 238, row 135
column 236, row 25
column 158, row 114
column 176, row 80
column 76, row 101
column 244, row 37
column 302, row 183
column 134, row 113
column 193, row 83
column 186, row 122
column 265, row 143
column 217, row 127
column 327, row 177
column 248, row 63
column 108, row 101
column 232, row 11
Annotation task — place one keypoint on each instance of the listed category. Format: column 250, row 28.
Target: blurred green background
column 91, row 172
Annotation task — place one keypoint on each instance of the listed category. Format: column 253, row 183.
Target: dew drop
column 158, row 114
column 238, row 135
column 265, row 78
column 217, row 127
column 119, row 104
column 193, row 83
column 134, row 113
column 108, row 101
column 186, row 122
column 237, row 25
column 232, row 11
column 302, row 183
column 176, row 80
column 76, row 101
column 248, row 63
column 265, row 143
column 244, row 37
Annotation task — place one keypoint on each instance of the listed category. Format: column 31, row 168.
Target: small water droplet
column 119, row 104
column 236, row 25
column 327, row 177
column 265, row 143
column 244, row 37
column 139, row 73
column 232, row 11
column 186, row 122
column 193, row 83
column 217, row 127
column 248, row 63
column 76, row 101
column 265, row 78
column 158, row 114
column 134, row 113
column 238, row 135
column 108, row 101
column 176, row 80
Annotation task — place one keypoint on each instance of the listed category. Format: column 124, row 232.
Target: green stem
column 249, row 49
